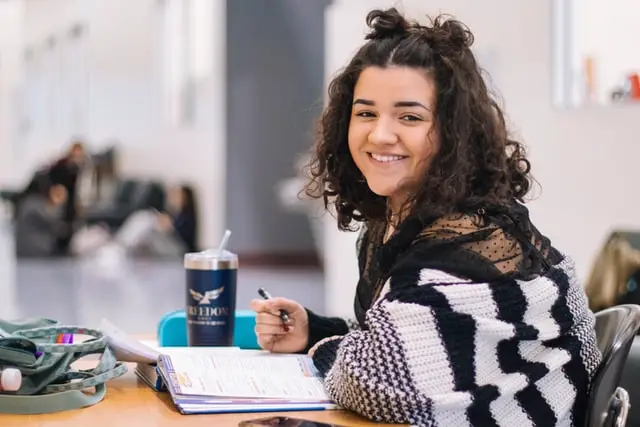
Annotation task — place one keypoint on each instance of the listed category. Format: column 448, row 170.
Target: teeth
column 382, row 158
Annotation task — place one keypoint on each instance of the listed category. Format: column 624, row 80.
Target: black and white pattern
column 445, row 351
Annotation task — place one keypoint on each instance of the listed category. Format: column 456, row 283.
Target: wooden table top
column 129, row 402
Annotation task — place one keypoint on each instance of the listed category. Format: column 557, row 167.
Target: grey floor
column 133, row 294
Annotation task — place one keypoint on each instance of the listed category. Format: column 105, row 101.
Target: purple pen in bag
column 60, row 339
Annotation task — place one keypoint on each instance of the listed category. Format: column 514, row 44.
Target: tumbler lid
column 211, row 260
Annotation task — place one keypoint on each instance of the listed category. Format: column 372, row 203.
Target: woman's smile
column 389, row 159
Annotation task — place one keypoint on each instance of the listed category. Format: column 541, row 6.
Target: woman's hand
column 165, row 224
column 273, row 334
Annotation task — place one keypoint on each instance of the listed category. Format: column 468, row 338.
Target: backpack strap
column 49, row 383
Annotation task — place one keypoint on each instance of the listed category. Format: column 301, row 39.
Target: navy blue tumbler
column 211, row 297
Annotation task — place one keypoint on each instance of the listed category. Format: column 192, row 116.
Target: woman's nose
column 383, row 133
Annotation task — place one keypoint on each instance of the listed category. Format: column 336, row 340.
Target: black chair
column 131, row 196
column 630, row 381
column 616, row 327
column 37, row 185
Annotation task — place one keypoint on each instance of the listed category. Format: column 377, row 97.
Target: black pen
column 284, row 316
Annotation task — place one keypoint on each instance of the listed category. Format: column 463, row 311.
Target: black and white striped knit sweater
column 441, row 350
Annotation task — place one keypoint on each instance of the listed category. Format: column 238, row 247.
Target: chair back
column 616, row 327
column 630, row 381
column 124, row 193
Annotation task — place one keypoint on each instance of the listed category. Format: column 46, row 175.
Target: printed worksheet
column 242, row 375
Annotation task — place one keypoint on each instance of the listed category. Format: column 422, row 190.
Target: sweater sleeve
column 440, row 350
column 321, row 327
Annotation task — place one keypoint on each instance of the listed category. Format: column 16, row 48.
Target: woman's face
column 58, row 194
column 392, row 134
column 175, row 199
column 77, row 154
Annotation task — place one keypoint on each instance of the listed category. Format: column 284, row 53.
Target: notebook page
column 249, row 376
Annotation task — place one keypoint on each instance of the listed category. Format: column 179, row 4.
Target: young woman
column 66, row 172
column 466, row 314
column 169, row 233
column 615, row 274
column 180, row 220
column 39, row 222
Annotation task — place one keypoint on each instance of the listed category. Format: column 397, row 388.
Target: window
column 76, row 84
column 186, row 28
column 55, row 88
column 596, row 60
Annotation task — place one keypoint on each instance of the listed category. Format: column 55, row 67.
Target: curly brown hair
column 477, row 165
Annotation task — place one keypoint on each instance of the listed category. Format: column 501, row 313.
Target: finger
column 272, row 329
column 274, row 305
column 267, row 319
column 259, row 305
column 271, row 343
column 267, row 342
column 270, row 319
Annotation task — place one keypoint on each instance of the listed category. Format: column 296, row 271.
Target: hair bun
column 446, row 31
column 386, row 23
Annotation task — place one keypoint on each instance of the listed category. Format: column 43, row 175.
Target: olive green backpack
column 49, row 384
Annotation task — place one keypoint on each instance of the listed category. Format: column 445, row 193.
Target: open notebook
column 148, row 372
column 242, row 381
column 222, row 379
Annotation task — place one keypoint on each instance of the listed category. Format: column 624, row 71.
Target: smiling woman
column 466, row 315
column 391, row 131
column 415, row 91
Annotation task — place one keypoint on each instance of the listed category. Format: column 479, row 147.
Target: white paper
column 259, row 376
column 128, row 349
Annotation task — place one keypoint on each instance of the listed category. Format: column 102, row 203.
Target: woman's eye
column 411, row 118
column 365, row 114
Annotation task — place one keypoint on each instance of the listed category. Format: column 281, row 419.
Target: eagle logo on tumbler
column 211, row 296
column 208, row 296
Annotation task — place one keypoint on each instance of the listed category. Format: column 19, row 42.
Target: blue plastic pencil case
column 172, row 330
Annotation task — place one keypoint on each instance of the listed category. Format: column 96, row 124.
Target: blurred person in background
column 180, row 218
column 39, row 222
column 170, row 232
column 615, row 275
column 66, row 171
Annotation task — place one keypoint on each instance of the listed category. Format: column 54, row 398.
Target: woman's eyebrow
column 397, row 104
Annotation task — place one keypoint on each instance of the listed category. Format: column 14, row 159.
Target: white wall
column 10, row 54
column 582, row 158
column 125, row 103
column 10, row 36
